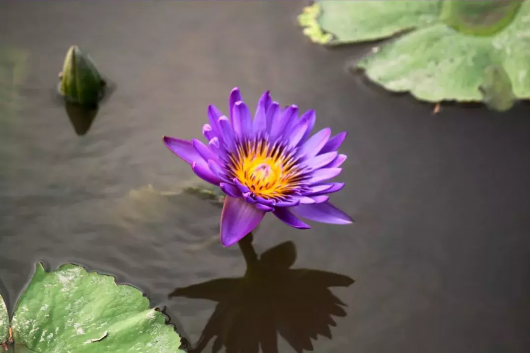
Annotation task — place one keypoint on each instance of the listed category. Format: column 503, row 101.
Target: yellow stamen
column 266, row 170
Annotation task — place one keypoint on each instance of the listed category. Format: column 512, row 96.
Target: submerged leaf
column 72, row 310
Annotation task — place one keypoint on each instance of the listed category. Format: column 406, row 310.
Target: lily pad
column 448, row 52
column 72, row 310
column 4, row 321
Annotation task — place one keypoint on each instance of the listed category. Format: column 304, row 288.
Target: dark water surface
column 440, row 248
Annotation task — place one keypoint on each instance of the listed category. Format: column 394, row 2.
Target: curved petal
column 238, row 219
column 298, row 132
column 334, row 143
column 337, row 162
column 241, row 119
column 230, row 189
column 244, row 189
column 315, row 143
column 310, row 117
column 318, row 189
column 202, row 171
column 320, row 161
column 213, row 117
column 287, row 203
column 264, row 208
column 323, row 174
column 227, row 132
column 235, row 96
column 281, row 126
column 205, row 151
column 218, row 171
column 325, row 189
column 273, row 115
column 320, row 198
column 207, row 132
column 290, row 219
column 322, row 212
column 260, row 117
column 182, row 148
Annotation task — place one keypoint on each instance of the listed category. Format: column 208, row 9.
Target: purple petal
column 317, row 189
column 249, row 197
column 290, row 219
column 322, row 212
column 320, row 198
column 337, row 162
column 323, row 174
column 230, row 190
column 260, row 118
column 325, row 189
column 321, row 160
column 227, row 132
column 264, row 201
column 334, row 143
column 273, row 115
column 241, row 119
column 238, row 219
column 207, row 131
column 183, row 149
column 202, row 171
column 287, row 203
column 244, row 189
column 282, row 124
column 235, row 96
column 311, row 117
column 264, row 208
column 297, row 133
column 205, row 151
column 305, row 200
column 216, row 148
column 213, row 116
column 218, row 171
column 315, row 143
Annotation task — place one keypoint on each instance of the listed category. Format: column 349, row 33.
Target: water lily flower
column 266, row 164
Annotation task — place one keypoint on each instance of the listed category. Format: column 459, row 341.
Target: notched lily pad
column 72, row 310
column 454, row 50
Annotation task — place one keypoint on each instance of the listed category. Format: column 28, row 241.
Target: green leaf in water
column 72, row 310
column 446, row 54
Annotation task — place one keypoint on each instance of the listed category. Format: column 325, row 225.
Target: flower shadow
column 270, row 298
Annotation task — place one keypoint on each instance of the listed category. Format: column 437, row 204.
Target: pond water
column 440, row 249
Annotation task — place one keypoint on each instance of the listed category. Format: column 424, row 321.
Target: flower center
column 269, row 171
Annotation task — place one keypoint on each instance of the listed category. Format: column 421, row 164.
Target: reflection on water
column 80, row 117
column 270, row 298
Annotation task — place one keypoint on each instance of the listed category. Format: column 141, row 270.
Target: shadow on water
column 270, row 298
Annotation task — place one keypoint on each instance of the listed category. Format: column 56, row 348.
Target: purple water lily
column 266, row 164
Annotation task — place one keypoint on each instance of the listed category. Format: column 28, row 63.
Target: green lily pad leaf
column 434, row 64
column 439, row 63
column 72, row 310
column 343, row 22
column 468, row 51
column 4, row 321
